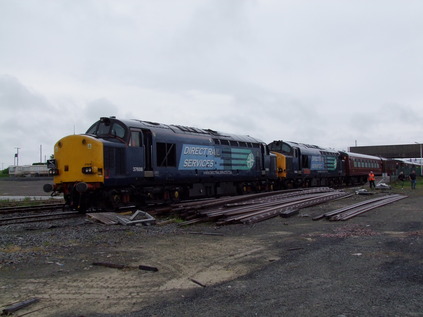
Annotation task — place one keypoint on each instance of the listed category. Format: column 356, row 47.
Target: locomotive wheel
column 111, row 201
column 243, row 189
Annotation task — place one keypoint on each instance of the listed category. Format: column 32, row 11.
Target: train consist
column 121, row 162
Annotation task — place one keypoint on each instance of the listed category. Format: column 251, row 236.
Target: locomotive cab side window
column 136, row 139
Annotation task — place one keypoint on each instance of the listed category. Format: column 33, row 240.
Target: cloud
column 100, row 108
column 15, row 98
column 328, row 72
column 26, row 118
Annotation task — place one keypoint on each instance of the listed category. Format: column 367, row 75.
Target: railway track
column 39, row 217
column 35, row 213
column 34, row 208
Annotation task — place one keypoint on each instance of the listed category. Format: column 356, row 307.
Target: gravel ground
column 370, row 265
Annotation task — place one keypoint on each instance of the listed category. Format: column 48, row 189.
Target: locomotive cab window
column 117, row 130
column 136, row 139
column 107, row 128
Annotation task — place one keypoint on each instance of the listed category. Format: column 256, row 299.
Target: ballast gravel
column 370, row 265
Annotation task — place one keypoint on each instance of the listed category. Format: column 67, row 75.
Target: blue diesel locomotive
column 117, row 162
column 304, row 165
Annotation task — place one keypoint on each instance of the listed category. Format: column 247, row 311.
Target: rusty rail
column 362, row 209
column 255, row 208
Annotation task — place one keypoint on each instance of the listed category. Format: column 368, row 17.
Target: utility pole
column 17, row 155
column 421, row 162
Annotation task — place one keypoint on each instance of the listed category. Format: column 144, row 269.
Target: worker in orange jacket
column 371, row 179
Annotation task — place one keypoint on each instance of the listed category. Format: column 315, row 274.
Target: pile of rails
column 359, row 208
column 254, row 208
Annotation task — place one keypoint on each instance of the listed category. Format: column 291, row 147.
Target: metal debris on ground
column 363, row 192
column 383, row 186
column 148, row 268
column 112, row 218
column 111, row 265
column 139, row 217
column 122, row 266
column 197, row 282
column 17, row 306
column 108, row 218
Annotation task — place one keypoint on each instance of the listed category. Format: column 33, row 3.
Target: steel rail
column 266, row 214
column 38, row 218
column 258, row 206
column 369, row 206
column 252, row 205
column 273, row 203
column 203, row 204
column 340, row 210
column 15, row 209
column 362, row 209
column 307, row 201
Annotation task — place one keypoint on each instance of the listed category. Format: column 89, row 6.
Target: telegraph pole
column 17, row 155
column 421, row 158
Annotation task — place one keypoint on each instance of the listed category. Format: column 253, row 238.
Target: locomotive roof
column 180, row 129
column 310, row 147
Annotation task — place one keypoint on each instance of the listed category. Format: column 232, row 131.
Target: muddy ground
column 371, row 265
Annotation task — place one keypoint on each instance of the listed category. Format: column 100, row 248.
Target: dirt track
column 368, row 266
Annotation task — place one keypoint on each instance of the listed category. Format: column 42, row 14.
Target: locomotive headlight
column 53, row 172
column 87, row 170
column 90, row 170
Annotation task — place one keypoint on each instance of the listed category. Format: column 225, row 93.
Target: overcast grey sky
column 326, row 72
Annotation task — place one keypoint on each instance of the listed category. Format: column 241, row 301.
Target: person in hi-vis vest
column 371, row 179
